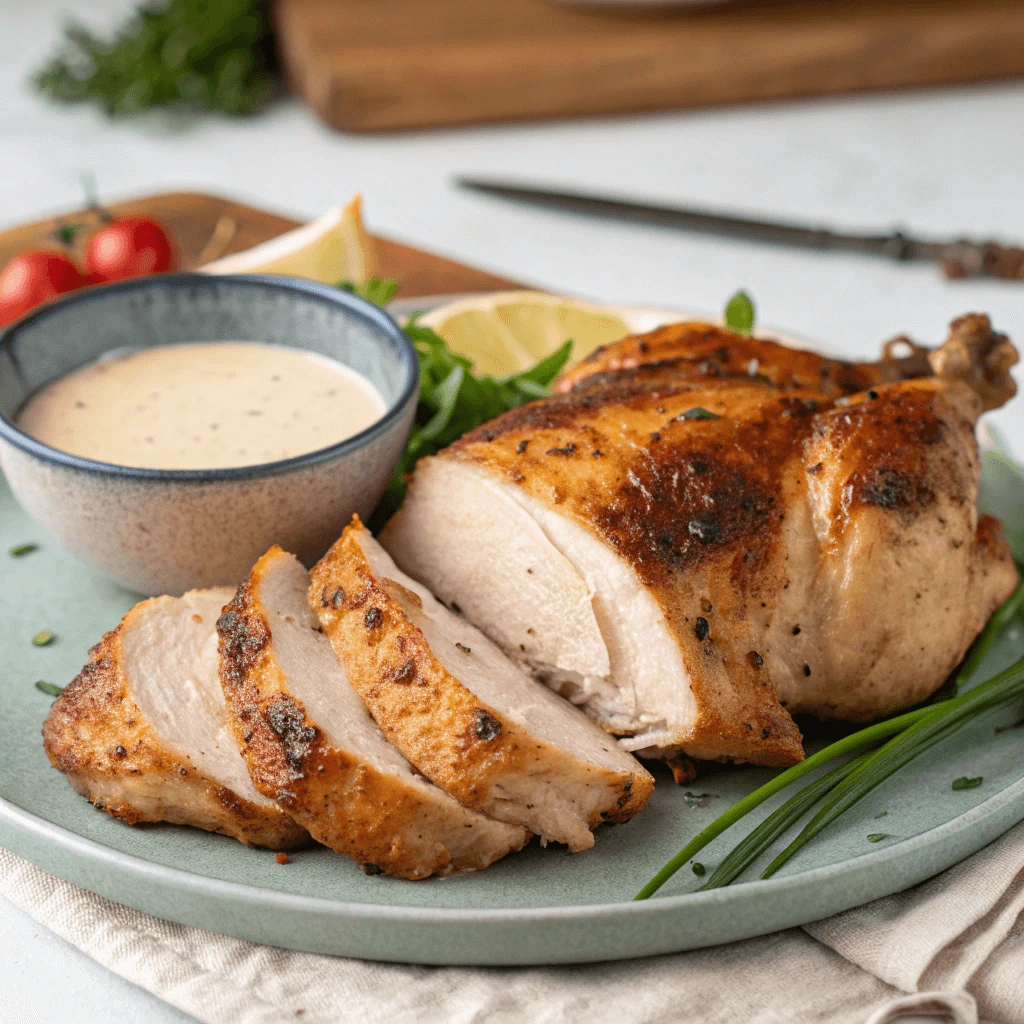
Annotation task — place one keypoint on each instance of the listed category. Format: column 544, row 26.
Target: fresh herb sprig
column 778, row 822
column 378, row 290
column 452, row 401
column 856, row 743
column 739, row 313
column 204, row 54
column 941, row 721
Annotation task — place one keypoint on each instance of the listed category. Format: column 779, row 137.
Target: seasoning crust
column 98, row 736
column 460, row 742
column 753, row 488
column 378, row 819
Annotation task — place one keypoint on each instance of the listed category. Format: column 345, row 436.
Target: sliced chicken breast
column 552, row 595
column 142, row 730
column 467, row 716
column 310, row 744
column 755, row 530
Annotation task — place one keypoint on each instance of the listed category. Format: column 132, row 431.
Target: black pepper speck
column 569, row 449
column 487, row 727
column 405, row 673
column 705, row 529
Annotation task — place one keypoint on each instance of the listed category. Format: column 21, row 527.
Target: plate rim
column 27, row 822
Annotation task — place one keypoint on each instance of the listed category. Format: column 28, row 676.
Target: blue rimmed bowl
column 166, row 531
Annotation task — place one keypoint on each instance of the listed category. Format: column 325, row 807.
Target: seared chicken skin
column 468, row 717
column 705, row 532
column 310, row 744
column 142, row 731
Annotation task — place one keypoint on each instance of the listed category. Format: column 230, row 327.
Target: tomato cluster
column 126, row 247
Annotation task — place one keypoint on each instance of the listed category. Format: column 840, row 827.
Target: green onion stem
column 940, row 721
column 1004, row 615
column 855, row 743
column 779, row 822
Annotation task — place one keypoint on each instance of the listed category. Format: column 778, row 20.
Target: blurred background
column 784, row 110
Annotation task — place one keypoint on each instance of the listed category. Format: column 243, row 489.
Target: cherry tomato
column 129, row 247
column 35, row 277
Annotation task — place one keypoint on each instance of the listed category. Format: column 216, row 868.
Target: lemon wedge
column 333, row 248
column 506, row 332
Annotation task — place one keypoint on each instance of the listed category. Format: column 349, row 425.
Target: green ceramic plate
column 540, row 906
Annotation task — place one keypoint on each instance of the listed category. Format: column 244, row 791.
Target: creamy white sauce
column 202, row 406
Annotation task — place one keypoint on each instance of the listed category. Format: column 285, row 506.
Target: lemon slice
column 333, row 248
column 506, row 332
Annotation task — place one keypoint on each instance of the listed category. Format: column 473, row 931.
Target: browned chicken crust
column 974, row 353
column 347, row 803
column 97, row 735
column 808, row 527
column 464, row 745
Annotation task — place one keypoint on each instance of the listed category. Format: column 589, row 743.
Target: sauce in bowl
column 215, row 405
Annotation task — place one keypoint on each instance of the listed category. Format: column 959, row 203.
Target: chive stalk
column 1004, row 615
column 858, row 743
column 855, row 743
column 778, row 822
column 941, row 721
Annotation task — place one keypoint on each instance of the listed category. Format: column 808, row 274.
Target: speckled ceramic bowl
column 165, row 531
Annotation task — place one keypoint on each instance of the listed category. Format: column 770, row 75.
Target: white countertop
column 941, row 162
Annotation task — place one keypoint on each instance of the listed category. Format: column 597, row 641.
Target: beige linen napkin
column 951, row 941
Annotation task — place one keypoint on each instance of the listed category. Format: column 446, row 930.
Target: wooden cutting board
column 192, row 219
column 370, row 65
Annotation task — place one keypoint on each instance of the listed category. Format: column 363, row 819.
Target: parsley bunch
column 205, row 54
column 452, row 400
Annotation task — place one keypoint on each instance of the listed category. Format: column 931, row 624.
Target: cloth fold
column 944, row 950
column 952, row 933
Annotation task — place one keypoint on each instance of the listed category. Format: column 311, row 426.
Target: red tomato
column 129, row 247
column 35, row 277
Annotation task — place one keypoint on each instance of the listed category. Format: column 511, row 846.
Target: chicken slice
column 142, row 730
column 761, row 530
column 547, row 619
column 519, row 570
column 309, row 743
column 466, row 716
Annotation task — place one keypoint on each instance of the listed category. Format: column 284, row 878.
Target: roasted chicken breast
column 142, row 730
column 467, row 716
column 704, row 532
column 309, row 743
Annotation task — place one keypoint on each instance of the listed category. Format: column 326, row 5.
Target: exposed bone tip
column 979, row 356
